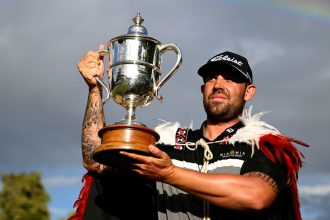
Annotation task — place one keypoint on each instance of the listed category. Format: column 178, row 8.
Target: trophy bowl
column 134, row 81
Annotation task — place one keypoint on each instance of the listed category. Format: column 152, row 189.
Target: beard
column 223, row 111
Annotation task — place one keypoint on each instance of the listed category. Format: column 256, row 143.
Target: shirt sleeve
column 260, row 163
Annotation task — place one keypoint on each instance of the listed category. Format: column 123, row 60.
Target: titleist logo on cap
column 227, row 58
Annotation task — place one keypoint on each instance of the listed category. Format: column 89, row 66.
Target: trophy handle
column 162, row 49
column 104, row 53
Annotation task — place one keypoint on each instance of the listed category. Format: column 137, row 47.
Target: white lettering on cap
column 227, row 58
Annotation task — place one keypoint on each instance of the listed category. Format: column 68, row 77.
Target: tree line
column 23, row 197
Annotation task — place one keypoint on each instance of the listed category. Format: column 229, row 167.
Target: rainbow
column 315, row 13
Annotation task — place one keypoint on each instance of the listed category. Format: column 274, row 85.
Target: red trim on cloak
column 80, row 203
column 279, row 148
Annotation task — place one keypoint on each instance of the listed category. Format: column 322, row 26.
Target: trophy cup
column 134, row 81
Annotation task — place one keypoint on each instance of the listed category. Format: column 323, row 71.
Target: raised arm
column 92, row 123
column 90, row 66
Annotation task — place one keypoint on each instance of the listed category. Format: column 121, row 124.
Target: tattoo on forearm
column 266, row 178
column 92, row 123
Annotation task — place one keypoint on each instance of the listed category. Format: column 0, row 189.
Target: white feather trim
column 167, row 131
column 254, row 128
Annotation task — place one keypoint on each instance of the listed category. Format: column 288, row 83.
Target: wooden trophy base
column 123, row 137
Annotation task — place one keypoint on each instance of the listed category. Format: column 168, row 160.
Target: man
column 234, row 167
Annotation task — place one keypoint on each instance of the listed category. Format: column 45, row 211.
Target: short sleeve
column 260, row 163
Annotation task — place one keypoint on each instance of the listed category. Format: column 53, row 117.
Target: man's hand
column 158, row 167
column 90, row 66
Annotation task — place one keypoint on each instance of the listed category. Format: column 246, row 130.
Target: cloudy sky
column 43, row 96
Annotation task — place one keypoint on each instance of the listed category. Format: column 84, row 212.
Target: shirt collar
column 228, row 132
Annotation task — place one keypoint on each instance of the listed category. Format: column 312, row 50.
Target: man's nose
column 219, row 82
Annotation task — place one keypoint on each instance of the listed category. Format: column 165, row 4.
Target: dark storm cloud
column 43, row 97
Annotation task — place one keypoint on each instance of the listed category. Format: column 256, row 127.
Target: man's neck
column 213, row 129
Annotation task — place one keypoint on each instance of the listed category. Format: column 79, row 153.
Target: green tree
column 23, row 197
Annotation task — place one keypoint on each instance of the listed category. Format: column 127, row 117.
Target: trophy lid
column 136, row 31
column 137, row 28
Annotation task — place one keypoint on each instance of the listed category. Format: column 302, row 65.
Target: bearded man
column 234, row 166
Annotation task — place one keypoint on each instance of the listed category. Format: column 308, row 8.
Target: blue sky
column 43, row 96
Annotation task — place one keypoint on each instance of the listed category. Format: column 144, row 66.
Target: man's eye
column 211, row 78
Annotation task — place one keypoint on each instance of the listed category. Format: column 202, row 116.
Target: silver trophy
column 134, row 81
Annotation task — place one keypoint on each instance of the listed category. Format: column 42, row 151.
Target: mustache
column 219, row 92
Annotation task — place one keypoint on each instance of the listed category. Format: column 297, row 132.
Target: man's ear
column 202, row 88
column 249, row 92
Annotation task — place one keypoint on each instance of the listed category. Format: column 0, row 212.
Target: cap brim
column 210, row 68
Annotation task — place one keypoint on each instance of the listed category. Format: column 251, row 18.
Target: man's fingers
column 156, row 151
column 95, row 64
column 101, row 62
column 135, row 157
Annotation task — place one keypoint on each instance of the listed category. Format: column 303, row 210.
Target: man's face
column 224, row 96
